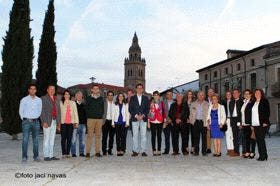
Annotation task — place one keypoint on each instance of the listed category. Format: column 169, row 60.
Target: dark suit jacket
column 248, row 112
column 264, row 111
column 46, row 115
column 239, row 104
column 135, row 108
column 224, row 102
column 185, row 112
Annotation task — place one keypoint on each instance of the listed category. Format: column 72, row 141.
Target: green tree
column 46, row 73
column 17, row 56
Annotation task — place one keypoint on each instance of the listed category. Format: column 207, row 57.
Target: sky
column 177, row 37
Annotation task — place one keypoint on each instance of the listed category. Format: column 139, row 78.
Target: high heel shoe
column 218, row 155
column 246, row 156
column 252, row 156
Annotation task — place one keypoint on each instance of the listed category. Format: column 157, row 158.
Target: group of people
column 243, row 121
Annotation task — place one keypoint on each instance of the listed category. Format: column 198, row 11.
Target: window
column 253, row 80
column 226, row 71
column 215, row 74
column 206, row 89
column 252, row 62
column 239, row 84
column 278, row 74
column 238, row 67
column 130, row 72
column 206, row 77
column 216, row 88
column 226, row 86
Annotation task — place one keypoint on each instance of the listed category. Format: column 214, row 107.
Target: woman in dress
column 216, row 119
column 120, row 121
column 260, row 121
column 156, row 119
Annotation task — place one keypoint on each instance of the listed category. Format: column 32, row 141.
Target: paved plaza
column 113, row 170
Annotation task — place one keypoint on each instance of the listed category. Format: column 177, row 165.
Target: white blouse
column 243, row 112
column 255, row 115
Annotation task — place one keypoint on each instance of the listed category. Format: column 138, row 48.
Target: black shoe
column 252, row 157
column 144, row 154
column 165, row 152
column 196, row 154
column 74, row 155
column 185, row 153
column 204, row 154
column 110, row 153
column 215, row 155
column 88, row 155
column 98, row 155
column 219, row 155
column 47, row 159
column 82, row 155
column 262, row 159
column 134, row 154
column 208, row 151
column 54, row 158
column 175, row 153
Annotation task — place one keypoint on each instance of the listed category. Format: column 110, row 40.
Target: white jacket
column 125, row 114
column 221, row 114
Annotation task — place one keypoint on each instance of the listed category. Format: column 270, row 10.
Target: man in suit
column 235, row 120
column 228, row 133
column 107, row 129
column 167, row 125
column 139, row 110
column 50, row 120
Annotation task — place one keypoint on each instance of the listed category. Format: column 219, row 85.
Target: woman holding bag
column 216, row 119
column 156, row 119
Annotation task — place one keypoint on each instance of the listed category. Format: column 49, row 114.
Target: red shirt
column 54, row 111
column 178, row 112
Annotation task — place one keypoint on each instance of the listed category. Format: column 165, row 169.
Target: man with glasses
column 107, row 129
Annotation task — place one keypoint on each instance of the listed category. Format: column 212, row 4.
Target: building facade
column 256, row 68
column 134, row 66
column 183, row 88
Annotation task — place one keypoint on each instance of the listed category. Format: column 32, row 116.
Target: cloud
column 227, row 9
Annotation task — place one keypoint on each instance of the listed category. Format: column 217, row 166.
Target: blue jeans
column 48, row 142
column 34, row 128
column 81, row 130
column 136, row 125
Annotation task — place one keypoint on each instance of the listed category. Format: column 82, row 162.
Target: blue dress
column 214, row 126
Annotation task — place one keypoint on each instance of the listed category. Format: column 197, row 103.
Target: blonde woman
column 216, row 119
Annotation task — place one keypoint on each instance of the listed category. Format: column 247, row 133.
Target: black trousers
column 176, row 129
column 192, row 135
column 156, row 130
column 260, row 135
column 167, row 134
column 107, row 130
column 250, row 144
column 66, row 138
column 199, row 131
column 235, row 134
column 121, row 132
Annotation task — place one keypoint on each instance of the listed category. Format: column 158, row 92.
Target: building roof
column 239, row 56
column 101, row 86
column 163, row 92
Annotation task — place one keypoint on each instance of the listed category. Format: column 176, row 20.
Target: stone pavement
column 113, row 170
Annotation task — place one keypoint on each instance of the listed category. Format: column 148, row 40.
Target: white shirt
column 243, row 112
column 109, row 110
column 30, row 107
column 228, row 112
column 169, row 104
column 255, row 115
column 139, row 99
column 234, row 114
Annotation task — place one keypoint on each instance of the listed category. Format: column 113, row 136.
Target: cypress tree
column 17, row 55
column 46, row 72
